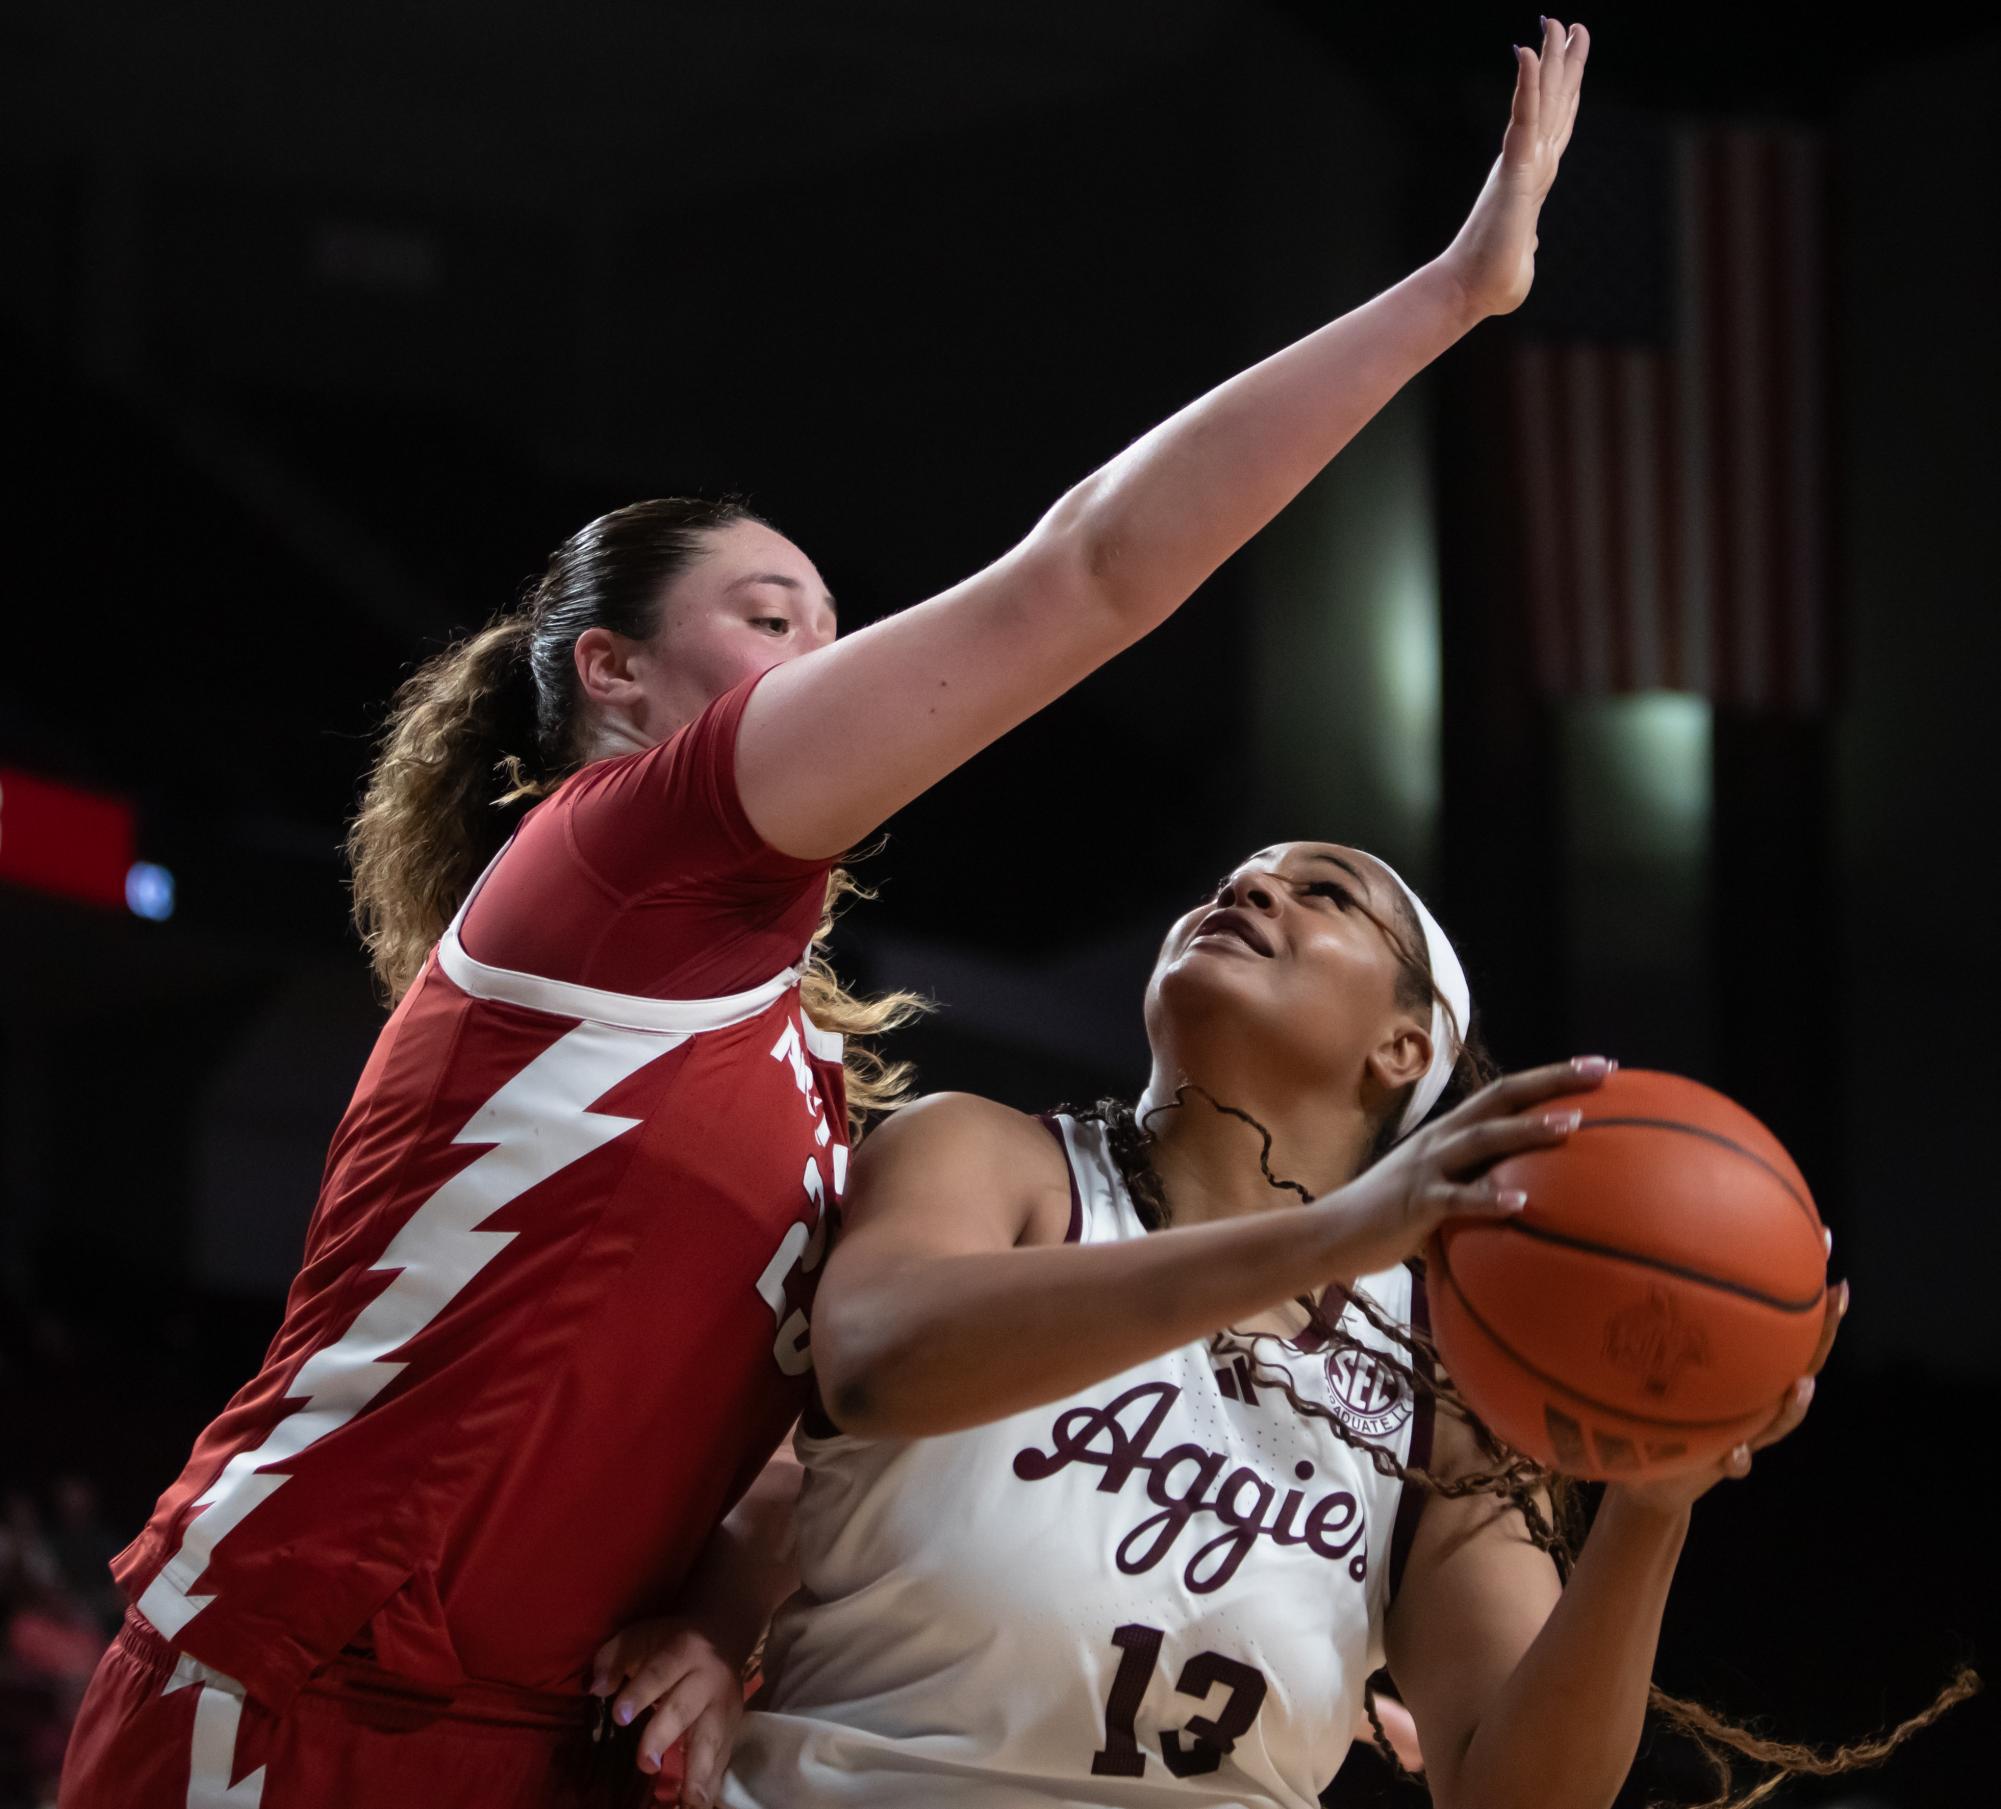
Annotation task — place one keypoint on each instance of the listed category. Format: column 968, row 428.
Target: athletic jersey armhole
column 674, row 810
column 1075, row 1233
column 1411, row 1497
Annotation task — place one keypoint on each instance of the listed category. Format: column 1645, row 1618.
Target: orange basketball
column 1654, row 1300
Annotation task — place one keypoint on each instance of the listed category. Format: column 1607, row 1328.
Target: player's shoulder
column 986, row 1157
column 962, row 1126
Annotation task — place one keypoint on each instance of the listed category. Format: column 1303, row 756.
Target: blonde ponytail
column 453, row 772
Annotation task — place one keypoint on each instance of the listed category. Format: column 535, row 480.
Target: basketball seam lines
column 1730, row 1143
column 1667, row 1268
column 1576, row 1394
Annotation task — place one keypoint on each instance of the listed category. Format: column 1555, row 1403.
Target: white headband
column 1449, row 988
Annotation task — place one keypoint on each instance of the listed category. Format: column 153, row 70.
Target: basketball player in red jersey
column 552, row 1315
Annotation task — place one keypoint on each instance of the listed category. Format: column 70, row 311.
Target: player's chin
column 1217, row 990
column 1218, row 965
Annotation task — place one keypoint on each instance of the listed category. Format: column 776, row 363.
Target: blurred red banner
column 57, row 838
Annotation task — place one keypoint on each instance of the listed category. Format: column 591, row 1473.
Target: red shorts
column 158, row 1730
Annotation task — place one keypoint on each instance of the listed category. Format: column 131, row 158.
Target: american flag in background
column 1671, row 450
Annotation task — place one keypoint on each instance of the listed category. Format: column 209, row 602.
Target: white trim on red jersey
column 212, row 1741
column 626, row 1011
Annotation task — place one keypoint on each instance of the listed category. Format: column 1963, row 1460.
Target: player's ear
column 1402, row 1058
column 604, row 661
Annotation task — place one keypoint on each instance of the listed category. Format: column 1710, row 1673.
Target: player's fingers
column 708, row 1746
column 1516, row 1092
column 1791, row 1411
column 609, row 1667
column 649, row 1684
column 667, row 1780
column 1522, row 116
column 1577, row 53
column 1482, row 1199
column 1562, row 139
column 1830, row 1323
column 1479, row 1145
column 1553, row 96
column 676, row 1711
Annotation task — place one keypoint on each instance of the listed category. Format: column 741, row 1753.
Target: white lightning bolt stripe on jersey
column 538, row 1124
column 212, row 1745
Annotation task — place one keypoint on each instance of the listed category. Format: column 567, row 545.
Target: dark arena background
column 1651, row 632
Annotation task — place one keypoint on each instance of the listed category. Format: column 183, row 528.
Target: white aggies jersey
column 1168, row 1588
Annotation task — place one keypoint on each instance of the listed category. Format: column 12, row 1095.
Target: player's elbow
column 1084, row 551
column 850, row 1404
column 842, row 1373
column 1573, row 1793
column 865, row 1402
column 1589, row 1776
column 856, row 1358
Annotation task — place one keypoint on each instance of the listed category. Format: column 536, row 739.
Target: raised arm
column 834, row 742
column 951, row 1299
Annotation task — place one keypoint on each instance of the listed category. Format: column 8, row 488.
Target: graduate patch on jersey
column 1369, row 1397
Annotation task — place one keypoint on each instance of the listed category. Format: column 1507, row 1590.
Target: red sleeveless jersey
column 552, row 1314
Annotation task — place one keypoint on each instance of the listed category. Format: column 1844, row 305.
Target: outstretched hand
column 1493, row 256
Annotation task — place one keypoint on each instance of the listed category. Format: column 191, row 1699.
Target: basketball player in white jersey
column 1059, row 1544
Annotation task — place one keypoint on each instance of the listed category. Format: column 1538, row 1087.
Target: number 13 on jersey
column 1209, row 1737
